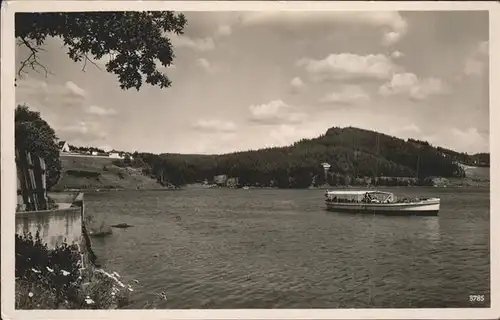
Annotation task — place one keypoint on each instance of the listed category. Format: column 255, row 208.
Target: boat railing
column 368, row 200
column 410, row 200
column 364, row 200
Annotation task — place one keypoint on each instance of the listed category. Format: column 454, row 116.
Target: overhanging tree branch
column 85, row 59
column 139, row 39
column 32, row 60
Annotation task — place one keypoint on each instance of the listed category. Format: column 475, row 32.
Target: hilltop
column 356, row 156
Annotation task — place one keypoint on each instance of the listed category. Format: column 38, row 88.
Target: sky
column 248, row 80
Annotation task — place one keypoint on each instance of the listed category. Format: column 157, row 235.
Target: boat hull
column 428, row 207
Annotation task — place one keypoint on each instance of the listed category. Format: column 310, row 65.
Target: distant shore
column 94, row 174
column 200, row 187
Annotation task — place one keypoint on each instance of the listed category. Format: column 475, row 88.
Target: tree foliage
column 478, row 159
column 354, row 155
column 84, row 149
column 135, row 40
column 33, row 134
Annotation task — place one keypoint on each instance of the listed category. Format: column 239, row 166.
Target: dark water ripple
column 281, row 249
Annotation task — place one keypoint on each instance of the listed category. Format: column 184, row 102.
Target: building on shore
column 115, row 154
column 220, row 179
column 232, row 182
column 64, row 147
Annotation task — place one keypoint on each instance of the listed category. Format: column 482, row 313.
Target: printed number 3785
column 476, row 298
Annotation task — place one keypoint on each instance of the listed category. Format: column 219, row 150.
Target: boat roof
column 356, row 192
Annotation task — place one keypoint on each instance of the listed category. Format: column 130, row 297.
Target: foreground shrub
column 50, row 279
column 55, row 273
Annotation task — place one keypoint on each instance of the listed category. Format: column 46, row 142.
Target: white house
column 95, row 153
column 63, row 146
column 220, row 179
column 126, row 155
column 115, row 155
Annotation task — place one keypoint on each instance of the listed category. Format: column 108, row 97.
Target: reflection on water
column 222, row 248
column 430, row 229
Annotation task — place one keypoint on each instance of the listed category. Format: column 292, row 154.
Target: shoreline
column 190, row 187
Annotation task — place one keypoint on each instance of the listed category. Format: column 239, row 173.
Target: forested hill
column 351, row 152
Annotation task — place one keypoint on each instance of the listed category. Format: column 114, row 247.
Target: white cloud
column 345, row 66
column 203, row 63
column 408, row 84
column 214, row 125
column 409, row 128
column 469, row 140
column 476, row 63
column 75, row 89
column 296, row 84
column 287, row 134
column 372, row 18
column 483, row 48
column 79, row 130
column 50, row 98
column 213, row 143
column 60, row 105
column 473, row 67
column 397, row 54
column 391, row 37
column 31, row 84
column 275, row 112
column 396, row 24
column 80, row 127
column 224, row 30
column 93, row 109
column 407, row 131
column 199, row 44
column 347, row 95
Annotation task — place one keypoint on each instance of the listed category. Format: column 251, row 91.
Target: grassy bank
column 474, row 177
column 89, row 173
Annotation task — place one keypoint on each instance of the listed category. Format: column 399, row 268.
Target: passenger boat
column 380, row 202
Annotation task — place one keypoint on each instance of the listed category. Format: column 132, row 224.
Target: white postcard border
column 8, row 177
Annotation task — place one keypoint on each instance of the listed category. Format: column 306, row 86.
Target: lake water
column 222, row 248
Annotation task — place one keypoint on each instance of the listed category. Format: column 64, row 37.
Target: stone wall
column 64, row 225
column 54, row 226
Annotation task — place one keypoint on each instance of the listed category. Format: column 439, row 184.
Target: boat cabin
column 369, row 196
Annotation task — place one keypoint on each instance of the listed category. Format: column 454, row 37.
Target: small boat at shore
column 380, row 202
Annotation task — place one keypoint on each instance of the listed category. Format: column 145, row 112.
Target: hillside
column 477, row 160
column 85, row 172
column 474, row 177
column 356, row 156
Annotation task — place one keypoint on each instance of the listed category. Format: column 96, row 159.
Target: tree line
column 85, row 149
column 356, row 156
